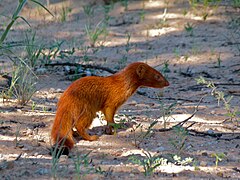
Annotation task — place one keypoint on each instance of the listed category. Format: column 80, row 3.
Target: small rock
column 51, row 90
column 204, row 153
column 42, row 171
column 59, row 90
column 210, row 131
column 88, row 72
column 41, row 71
column 131, row 175
column 220, row 174
column 25, row 149
column 63, row 158
column 203, row 163
column 20, row 145
column 67, row 68
column 160, row 149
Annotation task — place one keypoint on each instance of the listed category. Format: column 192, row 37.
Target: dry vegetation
column 190, row 130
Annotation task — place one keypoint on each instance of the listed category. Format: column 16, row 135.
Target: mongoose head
column 150, row 77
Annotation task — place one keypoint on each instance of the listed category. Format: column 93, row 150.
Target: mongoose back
column 78, row 105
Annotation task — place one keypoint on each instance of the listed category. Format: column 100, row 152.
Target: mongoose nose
column 166, row 83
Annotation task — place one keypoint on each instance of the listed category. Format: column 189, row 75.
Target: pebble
column 67, row 68
column 41, row 71
column 203, row 163
column 59, row 90
column 63, row 158
column 42, row 171
column 131, row 175
column 160, row 149
column 204, row 153
column 210, row 131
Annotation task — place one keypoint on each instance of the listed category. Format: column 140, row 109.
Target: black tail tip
column 57, row 151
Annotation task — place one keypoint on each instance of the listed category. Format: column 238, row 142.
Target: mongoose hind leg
column 83, row 133
column 82, row 127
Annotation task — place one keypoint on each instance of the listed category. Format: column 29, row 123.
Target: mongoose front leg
column 109, row 116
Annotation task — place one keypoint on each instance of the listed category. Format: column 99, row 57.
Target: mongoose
column 78, row 105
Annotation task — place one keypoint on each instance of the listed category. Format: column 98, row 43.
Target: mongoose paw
column 109, row 130
column 58, row 151
column 93, row 138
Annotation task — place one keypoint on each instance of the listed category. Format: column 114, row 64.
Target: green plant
column 218, row 157
column 149, row 162
column 33, row 51
column 34, row 105
column 94, row 34
column 142, row 14
column 236, row 3
column 80, row 162
column 138, row 139
column 55, row 161
column 196, row 165
column 125, row 4
column 17, row 133
column 88, row 10
column 183, row 162
column 64, row 13
column 219, row 60
column 205, row 5
column 15, row 16
column 117, row 126
column 166, row 110
column 189, row 28
column 233, row 114
column 179, row 141
column 107, row 9
column 165, row 68
column 22, row 84
column 54, row 51
column 56, row 151
column 122, row 62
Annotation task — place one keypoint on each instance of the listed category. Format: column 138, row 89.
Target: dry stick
column 214, row 135
column 18, row 157
column 191, row 125
column 184, row 121
column 83, row 65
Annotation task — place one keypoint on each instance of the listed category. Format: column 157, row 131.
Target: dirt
column 160, row 39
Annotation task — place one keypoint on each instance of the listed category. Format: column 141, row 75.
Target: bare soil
column 211, row 50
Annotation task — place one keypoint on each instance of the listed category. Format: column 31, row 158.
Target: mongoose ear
column 141, row 69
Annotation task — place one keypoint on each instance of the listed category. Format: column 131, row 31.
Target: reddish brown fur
column 83, row 98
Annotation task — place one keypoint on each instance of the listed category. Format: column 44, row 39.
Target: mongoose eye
column 157, row 77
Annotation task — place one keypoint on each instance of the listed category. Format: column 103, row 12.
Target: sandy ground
column 210, row 49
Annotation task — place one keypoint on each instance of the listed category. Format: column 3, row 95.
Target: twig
column 214, row 135
column 184, row 121
column 227, row 84
column 190, row 125
column 195, row 111
column 18, row 157
column 175, row 99
column 83, row 65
